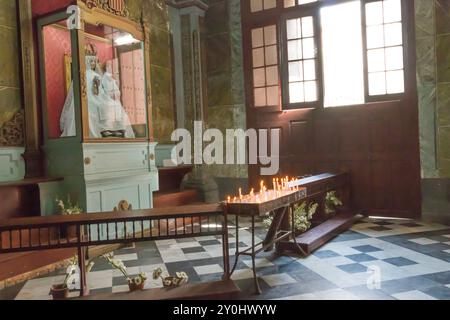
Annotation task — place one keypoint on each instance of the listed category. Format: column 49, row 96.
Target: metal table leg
column 226, row 248
column 237, row 253
column 255, row 276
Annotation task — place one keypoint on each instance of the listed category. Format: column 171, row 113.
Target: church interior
column 225, row 149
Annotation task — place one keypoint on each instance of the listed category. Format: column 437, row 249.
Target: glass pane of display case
column 56, row 63
column 115, row 84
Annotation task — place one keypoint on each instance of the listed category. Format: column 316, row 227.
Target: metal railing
column 86, row 230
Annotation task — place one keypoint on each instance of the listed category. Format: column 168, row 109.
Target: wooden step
column 316, row 237
column 24, row 264
column 170, row 178
column 175, row 199
column 220, row 290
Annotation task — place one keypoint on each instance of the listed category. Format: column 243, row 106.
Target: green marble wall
column 153, row 11
column 443, row 85
column 225, row 108
column 433, row 76
column 10, row 96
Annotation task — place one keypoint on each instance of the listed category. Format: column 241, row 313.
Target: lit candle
column 229, row 199
column 240, row 193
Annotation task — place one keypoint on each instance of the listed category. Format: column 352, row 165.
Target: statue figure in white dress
column 107, row 117
column 113, row 118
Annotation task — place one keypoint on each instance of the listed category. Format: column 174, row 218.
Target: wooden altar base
column 316, row 237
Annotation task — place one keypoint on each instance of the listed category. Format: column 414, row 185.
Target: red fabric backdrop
column 57, row 44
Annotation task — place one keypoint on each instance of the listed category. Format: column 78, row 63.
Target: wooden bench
column 220, row 290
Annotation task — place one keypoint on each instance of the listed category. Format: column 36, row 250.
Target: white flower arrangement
column 118, row 264
column 180, row 279
column 332, row 202
column 303, row 214
column 67, row 209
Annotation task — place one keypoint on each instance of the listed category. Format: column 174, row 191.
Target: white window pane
column 296, row 94
column 258, row 57
column 375, row 37
column 256, row 5
column 307, row 27
column 342, row 47
column 270, row 35
column 300, row 2
column 271, row 55
column 392, row 11
column 310, row 69
column 394, row 58
column 395, row 82
column 270, row 4
column 257, row 37
column 375, row 60
column 272, row 76
column 272, row 96
column 259, row 77
column 393, row 34
column 289, row 3
column 294, row 29
column 309, row 49
column 374, row 13
column 310, row 91
column 260, row 97
column 295, row 50
column 377, row 83
column 295, row 71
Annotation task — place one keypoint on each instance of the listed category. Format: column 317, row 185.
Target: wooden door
column 378, row 142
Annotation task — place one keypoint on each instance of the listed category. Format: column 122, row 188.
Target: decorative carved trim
column 197, row 76
column 11, row 134
column 123, row 206
column 33, row 156
column 116, row 7
column 187, row 71
column 148, row 75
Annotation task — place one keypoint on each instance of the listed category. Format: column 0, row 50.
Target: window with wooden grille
column 321, row 53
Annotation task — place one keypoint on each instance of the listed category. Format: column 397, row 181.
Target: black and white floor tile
column 412, row 260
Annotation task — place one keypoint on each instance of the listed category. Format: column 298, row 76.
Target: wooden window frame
column 279, row 15
column 265, row 66
column 284, row 62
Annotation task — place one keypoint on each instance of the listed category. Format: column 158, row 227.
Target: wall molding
column 12, row 165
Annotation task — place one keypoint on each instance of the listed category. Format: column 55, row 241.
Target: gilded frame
column 92, row 13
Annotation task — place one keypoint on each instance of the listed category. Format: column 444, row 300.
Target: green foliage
column 332, row 202
column 67, row 209
column 303, row 214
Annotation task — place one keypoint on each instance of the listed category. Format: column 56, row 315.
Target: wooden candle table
column 276, row 202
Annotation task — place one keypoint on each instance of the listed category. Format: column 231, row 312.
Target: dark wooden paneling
column 377, row 142
column 19, row 201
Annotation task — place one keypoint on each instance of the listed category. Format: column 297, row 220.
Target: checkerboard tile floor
column 411, row 260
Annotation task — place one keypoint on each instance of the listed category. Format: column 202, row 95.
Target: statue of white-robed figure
column 107, row 117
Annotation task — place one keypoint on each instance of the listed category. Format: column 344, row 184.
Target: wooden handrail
column 104, row 217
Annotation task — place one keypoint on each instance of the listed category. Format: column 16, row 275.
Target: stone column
column 191, row 15
column 33, row 156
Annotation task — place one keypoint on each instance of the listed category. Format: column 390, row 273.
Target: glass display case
column 93, row 79
column 96, row 106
